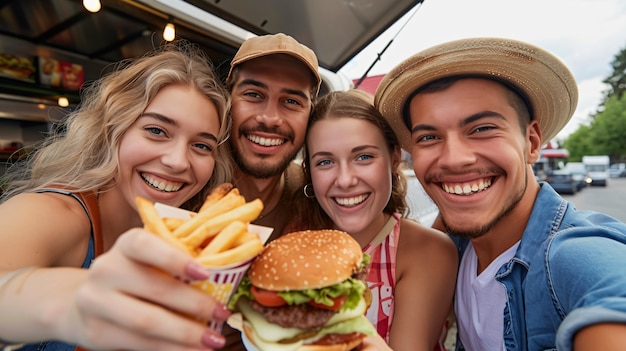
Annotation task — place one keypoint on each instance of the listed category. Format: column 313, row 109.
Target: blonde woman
column 74, row 265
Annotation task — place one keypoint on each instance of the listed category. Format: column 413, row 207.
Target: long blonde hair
column 82, row 153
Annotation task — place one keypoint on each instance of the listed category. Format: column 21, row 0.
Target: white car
column 618, row 170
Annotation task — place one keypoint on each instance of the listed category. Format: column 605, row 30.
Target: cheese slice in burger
column 305, row 292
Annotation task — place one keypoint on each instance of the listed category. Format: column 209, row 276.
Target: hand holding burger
column 304, row 292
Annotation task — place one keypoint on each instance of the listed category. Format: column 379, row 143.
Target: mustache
column 264, row 129
column 440, row 176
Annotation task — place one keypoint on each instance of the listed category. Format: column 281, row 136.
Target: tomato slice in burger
column 337, row 303
column 267, row 298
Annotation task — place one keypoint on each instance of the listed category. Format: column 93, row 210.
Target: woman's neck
column 371, row 231
column 117, row 216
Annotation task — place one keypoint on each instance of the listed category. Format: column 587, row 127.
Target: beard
column 262, row 169
column 477, row 232
column 260, row 166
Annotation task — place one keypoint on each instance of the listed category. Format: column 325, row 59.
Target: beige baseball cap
column 271, row 44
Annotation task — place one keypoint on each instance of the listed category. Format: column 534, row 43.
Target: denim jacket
column 569, row 272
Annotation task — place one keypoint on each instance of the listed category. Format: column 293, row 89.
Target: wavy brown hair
column 82, row 152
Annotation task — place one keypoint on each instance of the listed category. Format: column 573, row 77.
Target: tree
column 606, row 134
column 609, row 129
column 617, row 80
column 578, row 144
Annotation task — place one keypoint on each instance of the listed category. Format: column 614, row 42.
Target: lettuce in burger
column 305, row 292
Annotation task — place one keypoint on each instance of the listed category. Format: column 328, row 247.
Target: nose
column 176, row 157
column 346, row 177
column 456, row 153
column 269, row 115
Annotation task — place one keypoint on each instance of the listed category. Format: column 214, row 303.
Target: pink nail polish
column 195, row 271
column 212, row 340
column 221, row 312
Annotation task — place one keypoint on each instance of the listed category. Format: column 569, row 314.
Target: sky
column 585, row 34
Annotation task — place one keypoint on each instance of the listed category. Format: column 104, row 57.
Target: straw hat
column 271, row 44
column 548, row 85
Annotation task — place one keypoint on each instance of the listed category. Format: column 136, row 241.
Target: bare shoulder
column 43, row 203
column 425, row 244
column 414, row 233
column 44, row 229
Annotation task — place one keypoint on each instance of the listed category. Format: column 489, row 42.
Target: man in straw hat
column 535, row 273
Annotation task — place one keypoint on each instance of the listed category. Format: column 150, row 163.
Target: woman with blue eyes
column 353, row 183
column 75, row 267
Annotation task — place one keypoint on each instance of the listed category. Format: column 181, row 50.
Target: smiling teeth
column 351, row 201
column 163, row 186
column 265, row 141
column 467, row 188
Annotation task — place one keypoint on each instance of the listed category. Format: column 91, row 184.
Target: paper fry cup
column 222, row 284
column 223, row 280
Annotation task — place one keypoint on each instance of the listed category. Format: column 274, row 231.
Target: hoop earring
column 395, row 177
column 308, row 191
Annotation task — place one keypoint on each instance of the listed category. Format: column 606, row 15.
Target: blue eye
column 206, row 147
column 364, row 157
column 155, row 130
column 323, row 163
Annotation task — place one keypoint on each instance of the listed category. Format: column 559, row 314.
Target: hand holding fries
column 217, row 235
column 141, row 278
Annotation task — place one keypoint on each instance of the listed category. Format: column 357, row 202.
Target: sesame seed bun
column 308, row 259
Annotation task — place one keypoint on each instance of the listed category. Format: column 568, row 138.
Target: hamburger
column 305, row 292
column 16, row 66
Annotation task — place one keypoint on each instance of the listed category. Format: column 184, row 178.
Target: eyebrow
column 365, row 147
column 160, row 117
column 174, row 123
column 471, row 119
column 259, row 84
column 356, row 149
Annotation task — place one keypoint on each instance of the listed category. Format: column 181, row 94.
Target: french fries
column 228, row 202
column 227, row 237
column 173, row 223
column 216, row 194
column 236, row 254
column 246, row 212
column 217, row 235
column 153, row 223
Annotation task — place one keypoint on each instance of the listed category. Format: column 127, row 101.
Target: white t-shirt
column 480, row 301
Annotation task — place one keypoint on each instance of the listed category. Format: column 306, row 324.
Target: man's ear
column 533, row 140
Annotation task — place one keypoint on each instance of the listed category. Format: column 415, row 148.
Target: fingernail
column 195, row 271
column 221, row 312
column 212, row 340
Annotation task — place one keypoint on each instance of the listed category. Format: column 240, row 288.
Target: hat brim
column 272, row 44
column 548, row 85
column 305, row 61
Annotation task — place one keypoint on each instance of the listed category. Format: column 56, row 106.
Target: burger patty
column 302, row 316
